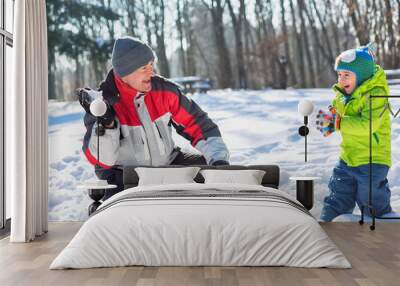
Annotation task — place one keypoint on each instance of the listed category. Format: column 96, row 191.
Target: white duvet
column 207, row 230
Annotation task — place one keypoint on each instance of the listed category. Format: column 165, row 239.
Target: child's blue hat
column 360, row 61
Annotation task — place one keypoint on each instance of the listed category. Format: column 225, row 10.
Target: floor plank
column 374, row 255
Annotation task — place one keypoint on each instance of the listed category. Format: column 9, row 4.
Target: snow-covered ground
column 259, row 127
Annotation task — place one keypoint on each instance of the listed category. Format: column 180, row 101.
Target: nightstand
column 96, row 192
column 305, row 190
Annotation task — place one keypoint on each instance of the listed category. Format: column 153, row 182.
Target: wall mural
column 249, row 80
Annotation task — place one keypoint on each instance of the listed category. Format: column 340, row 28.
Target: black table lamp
column 98, row 108
column 97, row 189
column 305, row 108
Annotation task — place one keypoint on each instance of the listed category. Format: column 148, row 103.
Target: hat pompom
column 371, row 47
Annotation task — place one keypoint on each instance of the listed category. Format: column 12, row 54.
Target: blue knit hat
column 360, row 61
column 129, row 54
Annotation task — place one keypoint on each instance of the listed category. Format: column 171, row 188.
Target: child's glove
column 328, row 122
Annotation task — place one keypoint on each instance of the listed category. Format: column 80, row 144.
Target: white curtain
column 26, row 124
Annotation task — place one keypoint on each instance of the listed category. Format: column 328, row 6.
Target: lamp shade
column 98, row 107
column 305, row 107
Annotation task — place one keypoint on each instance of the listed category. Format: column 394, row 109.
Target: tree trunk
column 78, row 73
column 328, row 45
column 273, row 55
column 190, row 39
column 224, row 65
column 248, row 41
column 203, row 57
column 131, row 13
column 347, row 32
column 179, row 27
column 261, row 39
column 147, row 20
column 317, row 47
column 307, row 46
column 110, row 23
column 52, row 71
column 358, row 24
column 60, row 89
column 299, row 47
column 397, row 61
column 382, row 32
column 159, row 31
column 334, row 27
column 389, row 25
column 237, row 27
column 289, row 63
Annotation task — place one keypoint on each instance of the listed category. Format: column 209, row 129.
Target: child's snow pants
column 350, row 185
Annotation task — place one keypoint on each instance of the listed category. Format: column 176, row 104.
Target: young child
column 358, row 77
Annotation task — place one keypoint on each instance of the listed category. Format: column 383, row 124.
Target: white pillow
column 248, row 177
column 166, row 176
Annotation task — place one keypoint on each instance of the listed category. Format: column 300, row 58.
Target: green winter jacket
column 354, row 126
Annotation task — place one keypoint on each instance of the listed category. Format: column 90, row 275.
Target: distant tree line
column 236, row 43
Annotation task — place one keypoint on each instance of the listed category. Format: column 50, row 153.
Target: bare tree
column 131, row 16
column 224, row 69
column 390, row 32
column 261, row 38
column 109, row 22
column 249, row 44
column 145, row 8
column 179, row 26
column 237, row 22
column 304, row 34
column 299, row 46
column 159, row 29
column 348, row 32
column 360, row 21
column 397, row 44
column 334, row 26
column 289, row 63
column 190, row 39
column 327, row 48
column 273, row 45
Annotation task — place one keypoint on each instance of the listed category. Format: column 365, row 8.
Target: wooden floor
column 375, row 257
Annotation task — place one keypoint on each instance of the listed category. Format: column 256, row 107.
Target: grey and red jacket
column 143, row 133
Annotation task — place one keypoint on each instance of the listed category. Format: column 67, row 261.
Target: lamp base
column 93, row 207
column 96, row 195
column 303, row 130
column 305, row 193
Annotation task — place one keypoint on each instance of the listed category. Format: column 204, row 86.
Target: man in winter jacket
column 141, row 109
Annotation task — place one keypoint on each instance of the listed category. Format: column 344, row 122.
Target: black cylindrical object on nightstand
column 93, row 207
column 305, row 193
column 96, row 195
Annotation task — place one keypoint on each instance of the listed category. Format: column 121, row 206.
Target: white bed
column 224, row 225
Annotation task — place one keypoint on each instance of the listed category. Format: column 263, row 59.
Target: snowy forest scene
column 247, row 64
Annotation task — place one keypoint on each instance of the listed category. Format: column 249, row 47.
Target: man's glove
column 86, row 96
column 328, row 122
column 220, row 163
